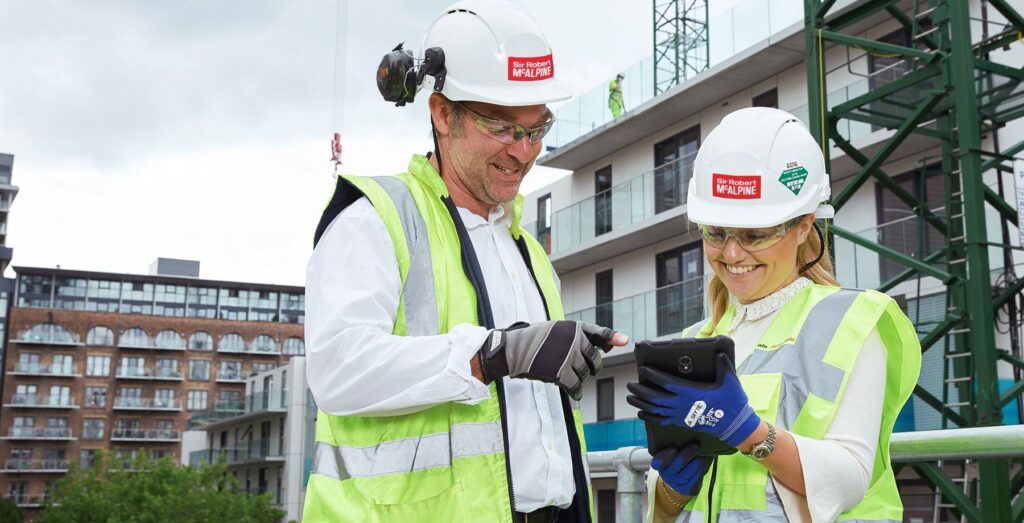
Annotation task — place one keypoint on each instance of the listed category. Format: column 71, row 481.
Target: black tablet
column 693, row 359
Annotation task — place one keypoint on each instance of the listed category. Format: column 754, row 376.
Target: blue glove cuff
column 741, row 428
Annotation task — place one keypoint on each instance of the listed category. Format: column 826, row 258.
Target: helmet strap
column 821, row 252
column 437, row 149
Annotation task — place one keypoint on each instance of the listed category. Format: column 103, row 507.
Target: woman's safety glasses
column 752, row 240
column 508, row 133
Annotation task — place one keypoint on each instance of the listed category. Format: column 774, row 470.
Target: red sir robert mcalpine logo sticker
column 530, row 69
column 736, row 187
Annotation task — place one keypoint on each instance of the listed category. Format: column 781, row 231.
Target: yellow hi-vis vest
column 448, row 462
column 795, row 379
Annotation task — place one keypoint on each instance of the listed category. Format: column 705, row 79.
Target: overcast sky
column 200, row 130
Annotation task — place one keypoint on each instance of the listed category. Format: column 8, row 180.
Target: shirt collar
column 501, row 213
column 769, row 304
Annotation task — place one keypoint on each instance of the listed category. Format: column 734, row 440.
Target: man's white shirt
column 357, row 368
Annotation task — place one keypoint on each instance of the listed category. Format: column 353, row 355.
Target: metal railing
column 241, row 452
column 659, row 312
column 48, row 334
column 147, row 403
column 44, row 370
column 27, row 465
column 632, row 201
column 630, row 464
column 158, row 373
column 40, row 433
column 145, row 435
column 35, row 400
column 27, row 500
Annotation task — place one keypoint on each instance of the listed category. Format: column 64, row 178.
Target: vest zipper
column 484, row 318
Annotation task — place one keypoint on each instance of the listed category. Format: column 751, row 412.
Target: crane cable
column 338, row 97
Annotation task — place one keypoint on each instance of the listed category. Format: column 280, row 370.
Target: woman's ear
column 804, row 227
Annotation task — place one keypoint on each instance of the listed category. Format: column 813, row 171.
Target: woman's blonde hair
column 821, row 273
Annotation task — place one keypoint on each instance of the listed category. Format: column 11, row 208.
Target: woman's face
column 750, row 276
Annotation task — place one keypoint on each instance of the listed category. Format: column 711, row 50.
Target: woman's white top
column 837, row 469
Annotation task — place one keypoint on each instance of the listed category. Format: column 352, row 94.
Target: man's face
column 491, row 171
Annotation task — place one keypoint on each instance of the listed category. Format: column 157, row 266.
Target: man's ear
column 440, row 112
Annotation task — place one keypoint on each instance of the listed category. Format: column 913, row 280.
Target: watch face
column 760, row 452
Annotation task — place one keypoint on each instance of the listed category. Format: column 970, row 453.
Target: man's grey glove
column 561, row 352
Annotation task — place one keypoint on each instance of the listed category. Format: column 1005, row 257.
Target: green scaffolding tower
column 949, row 93
column 680, row 41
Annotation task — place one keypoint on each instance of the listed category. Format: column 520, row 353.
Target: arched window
column 231, row 343
column 48, row 333
column 100, row 335
column 169, row 339
column 135, row 337
column 200, row 340
column 264, row 343
column 294, row 346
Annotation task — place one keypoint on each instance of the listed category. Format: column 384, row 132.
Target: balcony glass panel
column 660, row 312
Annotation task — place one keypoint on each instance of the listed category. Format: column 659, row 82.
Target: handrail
column 1002, row 442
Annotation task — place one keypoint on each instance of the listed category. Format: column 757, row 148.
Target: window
column 48, row 333
column 604, row 310
column 166, row 368
column 230, row 400
column 28, row 362
column 605, row 399
column 293, row 307
column 169, row 339
column 603, row 200
column 197, row 399
column 230, row 370
column 680, row 293
column 264, row 343
column 294, row 346
column 135, row 337
column 170, row 300
column 164, row 399
column 54, row 459
column 97, row 366
column 88, row 455
column 95, row 397
column 199, row 370
column 100, row 336
column 92, row 428
column 60, row 396
column 200, row 340
column 25, row 394
column 20, row 459
column 769, row 98
column 63, row 364
column 260, row 367
column 544, row 222
column 69, row 293
column 34, row 290
column 231, row 343
column 202, row 302
column 902, row 230
column 104, row 296
column 673, row 161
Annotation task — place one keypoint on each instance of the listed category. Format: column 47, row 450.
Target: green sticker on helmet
column 793, row 179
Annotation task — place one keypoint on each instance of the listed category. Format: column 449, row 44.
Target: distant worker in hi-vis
column 615, row 103
column 821, row 372
column 438, row 354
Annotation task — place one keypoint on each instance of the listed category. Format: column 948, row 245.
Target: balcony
column 141, row 373
column 41, row 402
column 246, row 452
column 252, row 348
column 16, row 466
column 640, row 211
column 35, row 369
column 28, row 501
column 277, row 497
column 222, row 409
column 149, row 435
column 53, row 433
column 163, row 404
column 149, row 345
column 47, row 334
column 254, row 405
column 231, row 377
column 662, row 312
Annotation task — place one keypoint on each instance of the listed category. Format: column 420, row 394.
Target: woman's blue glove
column 719, row 408
column 681, row 469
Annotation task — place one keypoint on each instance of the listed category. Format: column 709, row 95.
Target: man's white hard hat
column 758, row 168
column 494, row 53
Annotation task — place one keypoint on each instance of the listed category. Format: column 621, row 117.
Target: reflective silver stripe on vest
column 802, row 364
column 408, row 455
column 693, row 331
column 420, row 300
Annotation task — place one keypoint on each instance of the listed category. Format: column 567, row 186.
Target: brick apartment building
column 124, row 362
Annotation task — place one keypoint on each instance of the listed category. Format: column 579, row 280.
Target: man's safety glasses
column 508, row 133
column 752, row 240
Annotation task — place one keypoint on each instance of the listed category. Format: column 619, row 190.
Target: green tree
column 9, row 511
column 142, row 491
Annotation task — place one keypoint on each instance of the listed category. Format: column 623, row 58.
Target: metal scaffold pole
column 940, row 90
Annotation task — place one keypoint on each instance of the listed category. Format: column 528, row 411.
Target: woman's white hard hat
column 494, row 53
column 758, row 168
